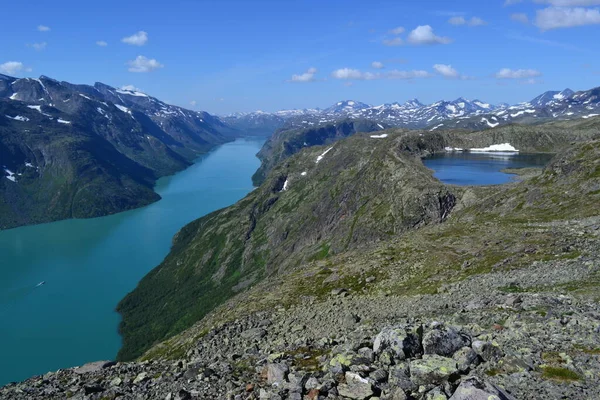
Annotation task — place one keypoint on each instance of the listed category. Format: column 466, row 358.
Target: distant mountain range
column 457, row 114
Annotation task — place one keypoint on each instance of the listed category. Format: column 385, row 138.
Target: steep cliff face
column 320, row 202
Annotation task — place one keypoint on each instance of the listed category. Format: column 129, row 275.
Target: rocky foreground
column 501, row 335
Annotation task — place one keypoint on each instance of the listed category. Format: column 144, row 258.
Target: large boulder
column 475, row 388
column 443, row 341
column 93, row 367
column 355, row 387
column 277, row 373
column 399, row 377
column 488, row 351
column 466, row 358
column 432, row 369
column 403, row 341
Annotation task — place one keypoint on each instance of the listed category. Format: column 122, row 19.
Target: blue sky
column 243, row 55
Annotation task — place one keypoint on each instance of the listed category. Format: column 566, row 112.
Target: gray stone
column 379, row 375
column 254, row 334
column 140, row 378
column 465, row 359
column 443, row 341
column 339, row 291
column 296, row 382
column 312, row 383
column 93, row 367
column 403, row 341
column 394, row 394
column 432, row 369
column 355, row 387
column 399, row 376
column 436, row 394
column 276, row 373
column 475, row 388
column 487, row 351
column 116, row 382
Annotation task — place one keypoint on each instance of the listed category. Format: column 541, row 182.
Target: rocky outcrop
column 286, row 142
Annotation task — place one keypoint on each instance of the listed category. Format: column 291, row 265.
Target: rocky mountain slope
column 287, row 142
column 495, row 299
column 83, row 151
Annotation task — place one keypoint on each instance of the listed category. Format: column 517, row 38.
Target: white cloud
column 355, row 74
column 193, row 103
column 446, row 71
column 143, row 64
column 397, row 31
column 556, row 17
column 13, row 68
column 137, row 39
column 43, row 28
column 393, row 42
column 423, row 34
column 520, row 17
column 476, row 21
column 348, row 73
column 396, row 74
column 377, row 65
column 460, row 20
column 308, row 76
column 569, row 3
column 101, row 43
column 507, row 73
column 457, row 20
column 38, row 46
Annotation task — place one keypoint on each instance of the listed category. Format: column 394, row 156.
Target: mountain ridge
column 447, row 114
column 70, row 150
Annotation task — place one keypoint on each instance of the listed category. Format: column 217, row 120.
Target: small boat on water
column 40, row 284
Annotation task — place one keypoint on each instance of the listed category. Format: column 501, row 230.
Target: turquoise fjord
column 89, row 265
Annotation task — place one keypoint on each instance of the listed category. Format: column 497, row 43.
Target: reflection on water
column 465, row 168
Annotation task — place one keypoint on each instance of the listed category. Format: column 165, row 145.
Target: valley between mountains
column 350, row 272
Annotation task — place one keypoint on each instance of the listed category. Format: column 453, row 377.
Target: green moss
column 513, row 288
column 560, row 374
column 321, row 254
column 587, row 350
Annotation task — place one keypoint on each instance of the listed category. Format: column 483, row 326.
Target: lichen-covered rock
column 403, row 341
column 466, row 358
column 277, row 373
column 477, row 389
column 443, row 341
column 432, row 369
column 355, row 387
column 488, row 351
column 436, row 394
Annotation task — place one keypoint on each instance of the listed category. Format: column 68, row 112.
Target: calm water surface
column 464, row 168
column 89, row 265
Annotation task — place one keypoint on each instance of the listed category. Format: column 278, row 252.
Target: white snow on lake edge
column 382, row 136
column 503, row 147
